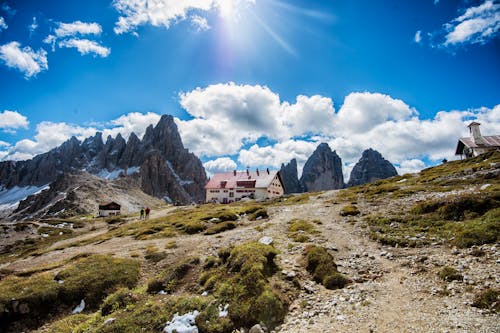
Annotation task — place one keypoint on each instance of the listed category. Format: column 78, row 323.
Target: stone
column 371, row 166
column 256, row 329
column 266, row 240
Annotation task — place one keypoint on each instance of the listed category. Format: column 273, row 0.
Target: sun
column 226, row 8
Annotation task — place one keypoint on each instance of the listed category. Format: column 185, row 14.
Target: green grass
column 488, row 299
column 299, row 230
column 449, row 274
column 349, row 210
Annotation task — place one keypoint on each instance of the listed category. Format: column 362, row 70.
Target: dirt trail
column 395, row 290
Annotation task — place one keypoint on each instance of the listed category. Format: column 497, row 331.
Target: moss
column 298, row 230
column 242, row 280
column 258, row 214
column 480, row 231
column 220, row 227
column 169, row 279
column 94, row 277
column 449, row 274
column 321, row 265
column 488, row 299
column 211, row 262
column 349, row 210
column 114, row 219
column 118, row 300
column 155, row 256
column 69, row 324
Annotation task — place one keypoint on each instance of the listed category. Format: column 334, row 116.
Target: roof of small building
column 239, row 179
column 491, row 141
column 110, row 205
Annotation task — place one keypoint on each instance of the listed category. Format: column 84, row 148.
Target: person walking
column 147, row 212
column 142, row 213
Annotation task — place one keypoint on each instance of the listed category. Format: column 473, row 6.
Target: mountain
column 371, row 166
column 164, row 168
column 290, row 177
column 322, row 171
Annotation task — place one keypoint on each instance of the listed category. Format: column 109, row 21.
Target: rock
column 266, row 240
column 322, row 171
column 371, row 166
column 109, row 321
column 256, row 329
column 289, row 176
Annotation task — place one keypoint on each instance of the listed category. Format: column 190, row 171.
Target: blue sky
column 252, row 82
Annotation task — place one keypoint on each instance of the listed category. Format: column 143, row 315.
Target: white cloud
column 200, row 23
column 25, row 60
column 275, row 155
column 33, row 26
column 362, row 111
column 12, row 120
column 164, row 13
column 85, row 46
column 77, row 27
column 50, row 135
column 222, row 164
column 9, row 10
column 3, row 25
column 418, row 37
column 4, row 144
column 477, row 25
column 410, row 166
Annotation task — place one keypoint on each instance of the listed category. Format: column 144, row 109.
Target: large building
column 233, row 186
column 477, row 144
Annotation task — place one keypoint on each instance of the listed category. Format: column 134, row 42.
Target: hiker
column 147, row 212
column 142, row 213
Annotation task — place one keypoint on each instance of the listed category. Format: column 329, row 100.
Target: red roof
column 241, row 179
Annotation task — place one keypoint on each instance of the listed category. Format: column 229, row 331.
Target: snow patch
column 183, row 324
column 223, row 312
column 80, row 307
column 176, row 176
column 10, row 198
column 111, row 175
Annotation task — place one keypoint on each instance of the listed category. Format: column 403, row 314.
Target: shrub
column 322, row 267
column 349, row 210
column 448, row 273
column 94, row 277
column 259, row 213
column 220, row 227
column 488, row 299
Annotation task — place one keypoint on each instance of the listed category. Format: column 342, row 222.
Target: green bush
column 488, row 299
column 448, row 273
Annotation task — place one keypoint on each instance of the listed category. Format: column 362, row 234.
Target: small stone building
column 233, row 186
column 477, row 144
column 109, row 209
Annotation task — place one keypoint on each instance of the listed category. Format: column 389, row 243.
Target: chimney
column 267, row 169
column 234, row 172
column 476, row 133
column 257, row 172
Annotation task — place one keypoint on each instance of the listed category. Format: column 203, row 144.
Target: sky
column 252, row 83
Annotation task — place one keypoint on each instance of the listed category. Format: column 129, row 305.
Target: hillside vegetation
column 412, row 253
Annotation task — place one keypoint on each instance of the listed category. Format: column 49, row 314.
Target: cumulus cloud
column 12, row 120
column 85, row 46
column 410, row 166
column 164, row 13
column 222, row 164
column 3, row 25
column 77, row 27
column 229, row 119
column 477, row 25
column 26, row 60
column 50, row 135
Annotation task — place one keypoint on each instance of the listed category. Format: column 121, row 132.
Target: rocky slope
column 322, row 171
column 370, row 167
column 166, row 169
column 290, row 178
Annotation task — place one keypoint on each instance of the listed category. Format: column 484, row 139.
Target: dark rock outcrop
column 322, row 171
column 166, row 168
column 371, row 166
column 290, row 177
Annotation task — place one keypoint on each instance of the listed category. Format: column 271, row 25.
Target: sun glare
column 226, row 8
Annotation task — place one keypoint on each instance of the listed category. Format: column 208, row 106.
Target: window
column 231, row 194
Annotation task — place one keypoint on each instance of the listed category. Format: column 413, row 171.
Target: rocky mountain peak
column 322, row 171
column 290, row 178
column 371, row 166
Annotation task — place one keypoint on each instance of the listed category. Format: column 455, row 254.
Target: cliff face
column 290, row 178
column 371, row 166
column 165, row 167
column 322, row 171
